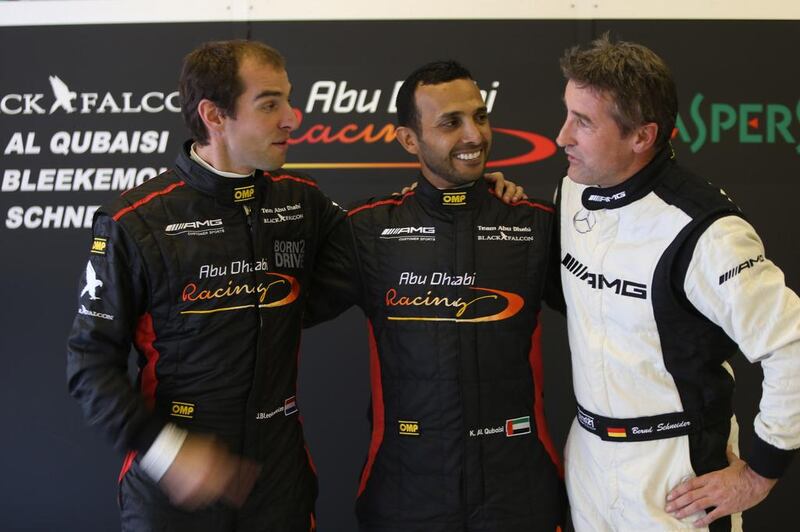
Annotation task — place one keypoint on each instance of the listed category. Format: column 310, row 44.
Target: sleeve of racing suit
column 730, row 281
column 113, row 295
column 336, row 280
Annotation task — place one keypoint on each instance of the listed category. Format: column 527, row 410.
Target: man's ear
column 211, row 115
column 645, row 137
column 407, row 139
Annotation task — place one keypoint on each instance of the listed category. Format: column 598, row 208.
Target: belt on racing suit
column 652, row 427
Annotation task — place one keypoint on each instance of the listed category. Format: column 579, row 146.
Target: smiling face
column 453, row 137
column 598, row 153
column 257, row 136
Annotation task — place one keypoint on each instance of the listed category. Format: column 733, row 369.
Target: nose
column 564, row 137
column 290, row 119
column 472, row 132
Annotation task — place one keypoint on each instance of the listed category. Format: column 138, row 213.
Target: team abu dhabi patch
column 507, row 233
column 181, row 409
column 244, row 193
column 99, row 245
column 408, row 428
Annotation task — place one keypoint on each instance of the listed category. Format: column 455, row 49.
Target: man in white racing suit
column 664, row 281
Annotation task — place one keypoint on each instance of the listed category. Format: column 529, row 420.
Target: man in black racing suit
column 204, row 270
column 451, row 280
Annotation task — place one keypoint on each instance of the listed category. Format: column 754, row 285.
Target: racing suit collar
column 228, row 191
column 634, row 188
column 452, row 199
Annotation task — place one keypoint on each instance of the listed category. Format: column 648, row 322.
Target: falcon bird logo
column 92, row 282
column 63, row 95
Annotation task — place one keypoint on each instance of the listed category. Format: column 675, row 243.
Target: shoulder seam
column 135, row 205
column 379, row 203
column 284, row 177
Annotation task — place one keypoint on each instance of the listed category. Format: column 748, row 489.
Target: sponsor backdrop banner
column 89, row 111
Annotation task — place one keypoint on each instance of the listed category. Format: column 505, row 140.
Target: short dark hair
column 431, row 74
column 211, row 72
column 637, row 80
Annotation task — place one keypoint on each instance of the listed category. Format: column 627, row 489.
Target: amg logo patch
column 607, row 199
column 621, row 287
column 730, row 274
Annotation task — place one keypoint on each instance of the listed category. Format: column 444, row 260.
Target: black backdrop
column 740, row 127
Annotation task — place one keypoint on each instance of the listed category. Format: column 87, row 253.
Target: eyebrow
column 582, row 117
column 267, row 94
column 455, row 114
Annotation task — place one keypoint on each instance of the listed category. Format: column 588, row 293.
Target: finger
column 519, row 194
column 710, row 517
column 698, row 505
column 687, row 486
column 492, row 176
column 685, row 500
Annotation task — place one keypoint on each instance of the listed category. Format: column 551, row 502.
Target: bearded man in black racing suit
column 203, row 269
column 451, row 280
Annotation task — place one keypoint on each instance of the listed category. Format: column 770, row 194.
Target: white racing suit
column 664, row 281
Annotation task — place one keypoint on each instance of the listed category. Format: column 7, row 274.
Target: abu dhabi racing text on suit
column 451, row 282
column 205, row 275
column 663, row 280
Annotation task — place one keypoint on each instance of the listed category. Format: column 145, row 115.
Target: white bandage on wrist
column 162, row 453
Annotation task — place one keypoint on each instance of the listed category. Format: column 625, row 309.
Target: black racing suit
column 452, row 283
column 206, row 277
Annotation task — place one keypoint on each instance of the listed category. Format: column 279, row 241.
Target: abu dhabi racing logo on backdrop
column 371, row 121
column 63, row 98
column 744, row 123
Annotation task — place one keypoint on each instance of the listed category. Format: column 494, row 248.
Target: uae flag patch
column 518, row 426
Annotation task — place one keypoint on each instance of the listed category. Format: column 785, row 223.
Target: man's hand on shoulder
column 204, row 471
column 507, row 191
column 731, row 490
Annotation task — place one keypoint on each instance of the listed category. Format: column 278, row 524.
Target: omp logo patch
column 180, row 409
column 99, row 246
column 454, row 198
column 244, row 193
column 408, row 428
